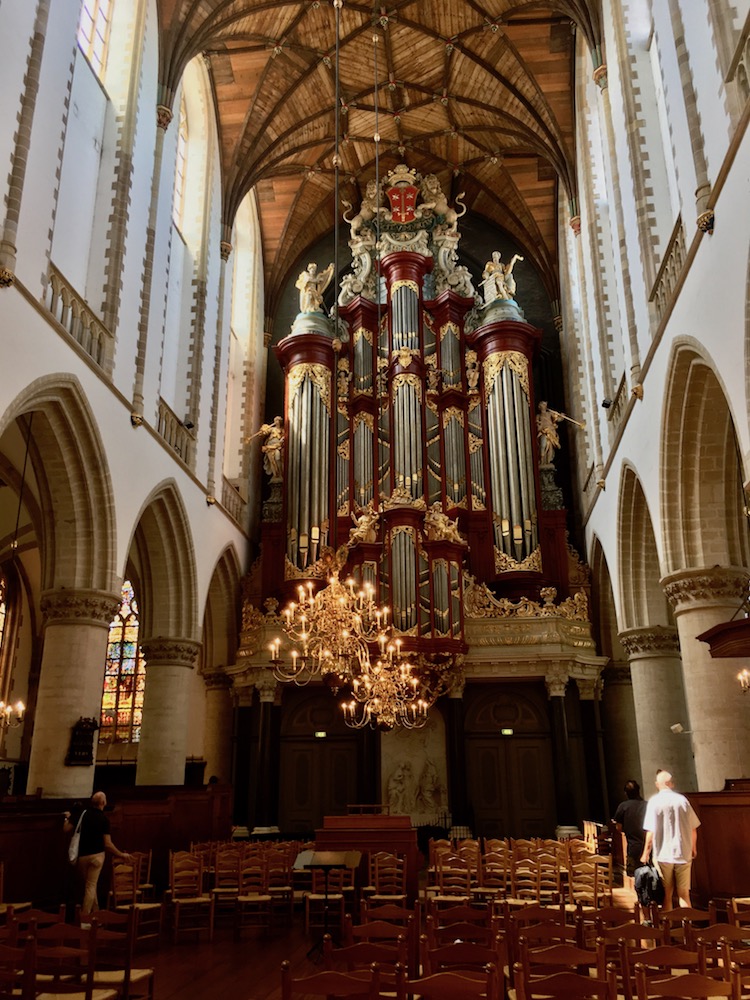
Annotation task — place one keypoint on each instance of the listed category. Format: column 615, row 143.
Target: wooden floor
column 249, row 969
column 225, row 969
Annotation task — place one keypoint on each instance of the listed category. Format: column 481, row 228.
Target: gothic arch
column 72, row 504
column 603, row 607
column 701, row 482
column 163, row 554
column 221, row 621
column 642, row 598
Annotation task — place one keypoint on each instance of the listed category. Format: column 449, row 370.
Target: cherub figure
column 365, row 528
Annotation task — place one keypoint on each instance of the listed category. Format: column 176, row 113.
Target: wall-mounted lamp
column 188, row 425
column 606, row 403
column 679, row 730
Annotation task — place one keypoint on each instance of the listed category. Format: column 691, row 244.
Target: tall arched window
column 178, row 205
column 93, row 32
column 124, row 676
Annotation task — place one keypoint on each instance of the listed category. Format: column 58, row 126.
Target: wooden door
column 318, row 778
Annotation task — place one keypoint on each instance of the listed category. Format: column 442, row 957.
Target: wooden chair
column 692, row 986
column 361, row 956
column 125, row 892
column 462, row 956
column 29, row 921
column 659, row 963
column 716, row 946
column 115, row 950
column 536, row 962
column 454, row 881
column 253, row 900
column 390, row 879
column 674, row 922
column 143, row 860
column 226, row 881
column 325, row 905
column 279, row 885
column 192, row 908
column 389, row 914
column 17, row 969
column 450, row 986
column 64, row 963
column 633, row 935
column 563, row 986
column 330, row 984
column 738, row 911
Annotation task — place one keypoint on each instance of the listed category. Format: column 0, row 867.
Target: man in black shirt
column 95, row 842
column 629, row 817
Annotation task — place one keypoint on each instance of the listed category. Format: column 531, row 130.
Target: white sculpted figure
column 439, row 527
column 497, row 278
column 433, row 198
column 367, row 210
column 365, row 525
column 311, row 285
column 273, row 448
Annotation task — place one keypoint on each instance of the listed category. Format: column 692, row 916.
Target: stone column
column 456, row 749
column 557, row 681
column 589, row 693
column 161, row 755
column 76, row 627
column 265, row 780
column 620, row 731
column 717, row 711
column 217, row 747
column 659, row 700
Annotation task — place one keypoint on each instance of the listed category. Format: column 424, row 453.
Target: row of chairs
column 531, row 943
column 43, row 957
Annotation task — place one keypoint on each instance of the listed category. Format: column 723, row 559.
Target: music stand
column 326, row 861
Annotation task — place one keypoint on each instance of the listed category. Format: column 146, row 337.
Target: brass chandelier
column 342, row 637
column 11, row 715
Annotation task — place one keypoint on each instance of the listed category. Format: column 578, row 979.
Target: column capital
column 163, row 117
column 708, row 587
column 216, row 680
column 225, row 249
column 654, row 640
column 266, row 685
column 589, row 688
column 556, row 679
column 173, row 651
column 79, row 607
column 600, row 76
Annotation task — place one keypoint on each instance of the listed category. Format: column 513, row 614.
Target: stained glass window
column 124, row 676
column 93, row 32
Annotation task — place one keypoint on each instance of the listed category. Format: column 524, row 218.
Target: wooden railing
column 174, row 432
column 73, row 313
column 670, row 270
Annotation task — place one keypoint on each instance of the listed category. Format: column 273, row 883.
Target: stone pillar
column 161, row 755
column 556, row 682
column 76, row 624
column 717, row 711
column 659, row 700
column 243, row 716
column 456, row 749
column 217, row 746
column 265, row 781
column 589, row 692
column 620, row 731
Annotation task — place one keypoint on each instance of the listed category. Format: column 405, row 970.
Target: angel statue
column 272, row 448
column 311, row 285
column 549, row 439
column 497, row 278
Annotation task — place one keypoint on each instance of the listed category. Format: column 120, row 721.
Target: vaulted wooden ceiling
column 479, row 92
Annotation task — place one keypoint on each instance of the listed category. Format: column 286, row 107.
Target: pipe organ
column 409, row 447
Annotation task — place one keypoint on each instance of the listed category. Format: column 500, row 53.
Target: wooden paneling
column 722, row 868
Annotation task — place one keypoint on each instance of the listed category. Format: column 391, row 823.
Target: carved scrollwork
column 517, row 363
column 319, row 375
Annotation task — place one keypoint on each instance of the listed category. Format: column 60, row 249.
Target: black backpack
column 648, row 886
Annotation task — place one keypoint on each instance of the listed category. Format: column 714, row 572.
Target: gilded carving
column 404, row 356
column 406, row 378
column 362, row 333
column 448, row 328
column 404, row 283
column 343, row 450
column 319, row 375
column 480, row 602
column 453, row 413
column 401, row 497
column 505, row 563
column 517, row 363
column 556, row 679
column 475, row 443
column 364, row 418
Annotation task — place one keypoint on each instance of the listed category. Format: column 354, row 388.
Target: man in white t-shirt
column 672, row 831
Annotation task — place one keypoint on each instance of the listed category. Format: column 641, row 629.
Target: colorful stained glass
column 124, row 676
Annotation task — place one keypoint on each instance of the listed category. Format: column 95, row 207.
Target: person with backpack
column 671, row 827
column 629, row 817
